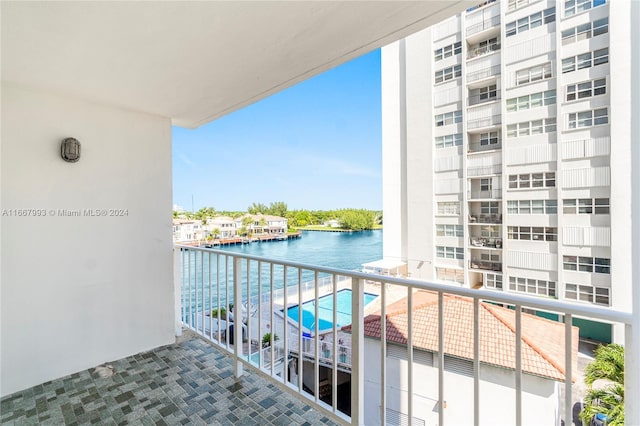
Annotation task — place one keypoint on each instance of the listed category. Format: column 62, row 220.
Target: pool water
column 325, row 310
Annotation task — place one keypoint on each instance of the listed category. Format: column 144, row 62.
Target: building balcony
column 488, row 194
column 485, row 265
column 484, row 219
column 287, row 364
column 483, row 243
column 483, row 74
column 487, row 24
column 482, row 98
column 485, row 122
column 478, row 51
column 481, row 146
column 494, row 169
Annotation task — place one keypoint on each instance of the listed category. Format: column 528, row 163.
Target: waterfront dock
column 218, row 242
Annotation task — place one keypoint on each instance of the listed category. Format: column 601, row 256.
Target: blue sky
column 316, row 145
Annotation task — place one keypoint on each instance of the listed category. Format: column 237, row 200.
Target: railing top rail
column 594, row 312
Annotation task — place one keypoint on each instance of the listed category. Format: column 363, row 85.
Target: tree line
column 348, row 219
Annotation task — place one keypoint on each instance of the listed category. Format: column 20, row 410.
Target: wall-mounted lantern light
column 70, row 150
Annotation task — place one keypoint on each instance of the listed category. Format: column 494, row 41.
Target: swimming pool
column 325, row 310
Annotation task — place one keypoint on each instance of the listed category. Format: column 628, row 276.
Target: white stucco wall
column 79, row 291
column 497, row 393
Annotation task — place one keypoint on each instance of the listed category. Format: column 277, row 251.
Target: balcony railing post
column 177, row 289
column 237, row 317
column 632, row 364
column 357, row 352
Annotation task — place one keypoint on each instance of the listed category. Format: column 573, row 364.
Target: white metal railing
column 491, row 194
column 484, row 122
column 483, row 50
column 493, row 71
column 484, row 25
column 308, row 361
column 479, row 146
column 494, row 169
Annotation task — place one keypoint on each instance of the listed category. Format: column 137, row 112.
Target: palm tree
column 608, row 399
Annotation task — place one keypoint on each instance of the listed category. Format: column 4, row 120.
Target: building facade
column 503, row 167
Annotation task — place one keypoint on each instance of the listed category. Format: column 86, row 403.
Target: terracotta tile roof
column 542, row 339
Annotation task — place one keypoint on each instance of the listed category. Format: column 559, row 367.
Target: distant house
column 187, row 230
column 226, row 225
column 262, row 224
column 542, row 363
column 333, row 223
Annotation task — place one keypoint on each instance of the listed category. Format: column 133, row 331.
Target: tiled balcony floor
column 185, row 383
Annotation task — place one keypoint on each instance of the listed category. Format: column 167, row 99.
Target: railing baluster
column 226, row 301
column 237, row 317
column 568, row 366
column 440, row 358
column 248, row 309
column 202, row 331
column 285, row 330
column 410, row 355
column 334, row 346
column 316, row 368
column 210, row 299
column 476, row 361
column 259, row 314
column 218, row 331
column 177, row 290
column 300, row 324
column 383, row 353
column 357, row 351
column 272, row 324
column 190, row 294
column 518, row 364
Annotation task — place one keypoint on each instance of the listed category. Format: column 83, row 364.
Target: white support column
column 237, row 317
column 177, row 290
column 357, row 352
column 632, row 335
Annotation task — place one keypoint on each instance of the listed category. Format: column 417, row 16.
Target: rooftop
column 543, row 340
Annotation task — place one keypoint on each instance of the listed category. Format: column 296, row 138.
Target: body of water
column 344, row 250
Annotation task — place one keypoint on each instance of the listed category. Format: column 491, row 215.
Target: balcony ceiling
column 195, row 61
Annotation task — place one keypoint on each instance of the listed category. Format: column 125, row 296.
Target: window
column 448, row 73
column 586, row 89
column 450, row 252
column 447, row 51
column 533, row 286
column 489, row 207
column 587, row 293
column 489, row 257
column 532, row 207
column 582, row 119
column 585, row 206
column 535, row 233
column 585, row 60
column 488, row 92
column 449, row 208
column 537, row 73
column 449, row 274
column 535, row 127
column 571, row 7
column 449, row 140
column 534, row 100
column 484, row 47
column 598, row 265
column 490, row 138
column 449, row 231
column 585, row 31
column 516, row 4
column 494, row 281
column 532, row 180
column 485, row 184
column 448, row 118
column 531, row 21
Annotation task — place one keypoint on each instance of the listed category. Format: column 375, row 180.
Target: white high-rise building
column 503, row 166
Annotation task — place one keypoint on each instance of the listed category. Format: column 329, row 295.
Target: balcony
column 484, row 25
column 485, row 73
column 481, row 146
column 482, row 98
column 481, row 242
column 485, row 265
column 483, row 49
column 494, row 169
column 483, row 219
column 488, row 194
column 317, row 372
column 485, row 122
